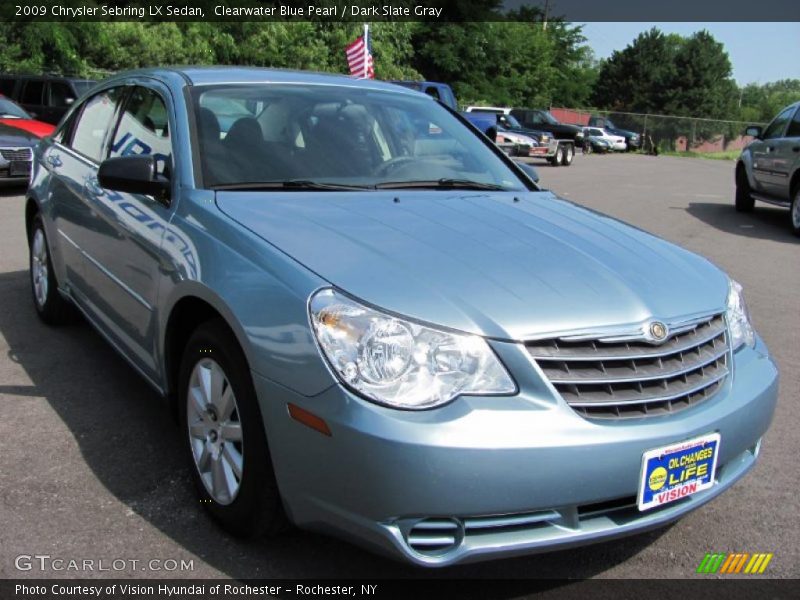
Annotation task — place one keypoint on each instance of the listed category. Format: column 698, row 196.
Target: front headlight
column 738, row 318
column 399, row 363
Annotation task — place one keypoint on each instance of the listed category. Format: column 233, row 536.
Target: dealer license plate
column 679, row 470
column 19, row 168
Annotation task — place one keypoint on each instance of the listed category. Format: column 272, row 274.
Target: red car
column 14, row 115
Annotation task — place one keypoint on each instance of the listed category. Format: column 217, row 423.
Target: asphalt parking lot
column 90, row 466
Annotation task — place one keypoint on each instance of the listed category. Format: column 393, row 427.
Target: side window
column 6, row 87
column 433, row 92
column 60, row 94
column 794, row 126
column 536, row 118
column 93, row 123
column 144, row 128
column 32, row 94
column 775, row 129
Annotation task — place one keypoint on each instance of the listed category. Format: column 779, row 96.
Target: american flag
column 359, row 56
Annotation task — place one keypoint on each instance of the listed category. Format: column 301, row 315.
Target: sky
column 759, row 52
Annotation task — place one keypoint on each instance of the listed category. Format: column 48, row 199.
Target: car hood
column 498, row 264
column 37, row 128
column 15, row 137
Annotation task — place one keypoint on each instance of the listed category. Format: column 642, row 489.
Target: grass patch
column 725, row 155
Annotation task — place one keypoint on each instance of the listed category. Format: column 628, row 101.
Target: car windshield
column 335, row 136
column 549, row 118
column 511, row 122
column 10, row 110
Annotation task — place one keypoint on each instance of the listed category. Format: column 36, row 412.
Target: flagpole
column 366, row 49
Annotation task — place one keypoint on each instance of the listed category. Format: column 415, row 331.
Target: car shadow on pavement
column 129, row 440
column 765, row 222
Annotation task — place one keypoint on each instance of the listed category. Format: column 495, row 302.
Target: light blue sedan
column 370, row 322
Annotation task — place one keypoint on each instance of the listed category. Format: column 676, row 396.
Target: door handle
column 54, row 160
column 770, row 148
column 94, row 187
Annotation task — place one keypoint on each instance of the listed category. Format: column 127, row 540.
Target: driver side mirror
column 133, row 175
column 529, row 170
column 754, row 130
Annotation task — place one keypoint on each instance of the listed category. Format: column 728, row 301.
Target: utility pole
column 546, row 10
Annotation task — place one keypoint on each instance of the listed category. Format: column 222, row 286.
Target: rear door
column 31, row 97
column 72, row 161
column 125, row 244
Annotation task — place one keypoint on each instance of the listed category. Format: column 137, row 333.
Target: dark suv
column 45, row 97
column 542, row 120
column 632, row 139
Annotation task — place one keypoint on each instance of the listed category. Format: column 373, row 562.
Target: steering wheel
column 393, row 163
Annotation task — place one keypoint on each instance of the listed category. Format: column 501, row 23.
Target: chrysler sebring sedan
column 371, row 323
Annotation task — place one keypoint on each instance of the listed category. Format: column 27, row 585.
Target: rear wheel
column 744, row 199
column 558, row 158
column 227, row 445
column 795, row 212
column 569, row 154
column 51, row 307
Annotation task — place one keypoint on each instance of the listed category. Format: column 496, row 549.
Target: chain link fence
column 661, row 133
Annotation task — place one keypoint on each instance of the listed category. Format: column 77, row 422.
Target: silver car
column 768, row 169
column 372, row 323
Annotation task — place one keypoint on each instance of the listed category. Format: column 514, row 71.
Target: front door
column 765, row 155
column 126, row 245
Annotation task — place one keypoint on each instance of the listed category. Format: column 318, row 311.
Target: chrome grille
column 21, row 154
column 616, row 377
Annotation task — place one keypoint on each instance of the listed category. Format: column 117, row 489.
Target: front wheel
column 51, row 307
column 226, row 442
column 795, row 212
column 744, row 199
column 569, row 154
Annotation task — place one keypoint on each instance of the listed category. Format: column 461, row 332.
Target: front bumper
column 547, row 477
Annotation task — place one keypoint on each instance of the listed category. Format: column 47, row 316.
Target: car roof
column 214, row 75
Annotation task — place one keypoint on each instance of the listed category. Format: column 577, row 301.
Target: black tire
column 744, row 200
column 569, row 154
column 256, row 510
column 587, row 148
column 50, row 305
column 794, row 213
column 559, row 156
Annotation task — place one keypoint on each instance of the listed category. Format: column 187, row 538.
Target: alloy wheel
column 39, row 271
column 215, row 431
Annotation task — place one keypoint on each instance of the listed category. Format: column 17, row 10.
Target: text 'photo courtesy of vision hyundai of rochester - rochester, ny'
column 373, row 323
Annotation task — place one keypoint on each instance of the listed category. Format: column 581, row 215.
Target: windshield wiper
column 461, row 184
column 289, row 184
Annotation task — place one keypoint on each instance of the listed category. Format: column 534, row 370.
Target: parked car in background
column 592, row 143
column 633, row 140
column 556, row 151
column 373, row 323
column 44, row 97
column 14, row 115
column 616, row 142
column 542, row 120
column 512, row 143
column 768, row 169
column 16, row 154
column 441, row 91
column 504, row 119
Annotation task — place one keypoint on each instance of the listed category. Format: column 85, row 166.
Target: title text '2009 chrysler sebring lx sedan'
column 373, row 324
